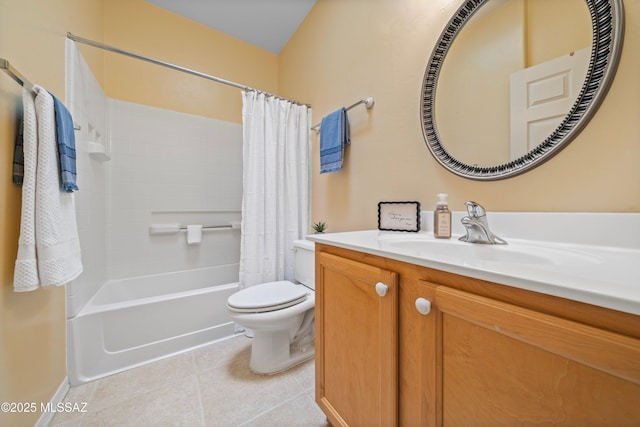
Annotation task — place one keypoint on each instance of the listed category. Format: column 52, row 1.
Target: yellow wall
column 380, row 48
column 481, row 62
column 32, row 328
column 145, row 29
column 551, row 34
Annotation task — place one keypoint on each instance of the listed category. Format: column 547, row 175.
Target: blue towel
column 66, row 146
column 18, row 154
column 334, row 136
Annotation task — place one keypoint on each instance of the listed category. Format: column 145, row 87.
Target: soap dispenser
column 442, row 218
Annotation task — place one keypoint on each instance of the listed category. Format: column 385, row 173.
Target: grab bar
column 176, row 228
column 210, row 227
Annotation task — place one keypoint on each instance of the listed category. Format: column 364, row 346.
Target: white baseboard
column 46, row 417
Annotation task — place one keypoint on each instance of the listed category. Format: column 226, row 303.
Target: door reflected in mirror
column 501, row 46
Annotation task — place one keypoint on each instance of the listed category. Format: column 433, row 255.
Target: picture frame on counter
column 399, row 216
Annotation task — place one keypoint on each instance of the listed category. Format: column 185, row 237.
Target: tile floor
column 208, row 386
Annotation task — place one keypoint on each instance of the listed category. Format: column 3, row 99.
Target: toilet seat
column 267, row 297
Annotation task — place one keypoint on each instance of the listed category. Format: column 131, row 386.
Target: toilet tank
column 305, row 262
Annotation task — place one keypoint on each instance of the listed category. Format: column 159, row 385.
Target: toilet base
column 271, row 352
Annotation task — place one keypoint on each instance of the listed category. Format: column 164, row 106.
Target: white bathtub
column 136, row 320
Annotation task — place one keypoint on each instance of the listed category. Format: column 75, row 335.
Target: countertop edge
column 572, row 293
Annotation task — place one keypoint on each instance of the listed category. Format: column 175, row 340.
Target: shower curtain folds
column 276, row 186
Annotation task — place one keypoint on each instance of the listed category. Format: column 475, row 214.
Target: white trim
column 46, row 417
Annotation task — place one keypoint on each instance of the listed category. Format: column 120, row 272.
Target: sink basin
column 588, row 257
column 516, row 252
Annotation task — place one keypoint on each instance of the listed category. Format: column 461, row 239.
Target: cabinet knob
column 381, row 289
column 423, row 306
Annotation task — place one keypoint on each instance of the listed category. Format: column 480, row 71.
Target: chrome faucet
column 477, row 226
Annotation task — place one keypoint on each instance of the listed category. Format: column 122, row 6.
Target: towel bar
column 368, row 102
column 15, row 74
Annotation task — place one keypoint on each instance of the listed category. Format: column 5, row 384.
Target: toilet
column 281, row 316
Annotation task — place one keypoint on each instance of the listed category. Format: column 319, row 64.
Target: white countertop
column 571, row 264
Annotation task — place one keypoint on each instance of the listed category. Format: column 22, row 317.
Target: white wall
column 87, row 103
column 170, row 167
column 163, row 167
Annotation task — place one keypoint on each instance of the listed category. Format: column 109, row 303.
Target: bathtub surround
column 169, row 167
column 126, row 323
column 160, row 167
column 87, row 103
column 275, row 201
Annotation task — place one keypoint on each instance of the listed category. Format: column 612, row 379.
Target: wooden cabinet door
column 420, row 383
column 356, row 342
column 503, row 365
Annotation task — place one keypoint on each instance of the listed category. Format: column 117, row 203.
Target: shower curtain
column 276, row 186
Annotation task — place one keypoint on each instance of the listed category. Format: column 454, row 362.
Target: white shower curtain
column 276, row 186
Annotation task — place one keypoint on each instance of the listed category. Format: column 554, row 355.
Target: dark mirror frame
column 607, row 19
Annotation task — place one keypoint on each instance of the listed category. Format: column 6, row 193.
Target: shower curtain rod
column 15, row 74
column 368, row 102
column 82, row 40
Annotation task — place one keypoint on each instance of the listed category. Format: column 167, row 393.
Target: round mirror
column 521, row 80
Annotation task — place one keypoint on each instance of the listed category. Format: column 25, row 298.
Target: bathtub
column 136, row 320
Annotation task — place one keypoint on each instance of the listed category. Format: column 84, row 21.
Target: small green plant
column 320, row 227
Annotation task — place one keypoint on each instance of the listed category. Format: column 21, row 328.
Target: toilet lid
column 267, row 297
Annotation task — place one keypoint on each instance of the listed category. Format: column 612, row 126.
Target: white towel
column 194, row 234
column 57, row 246
column 25, row 274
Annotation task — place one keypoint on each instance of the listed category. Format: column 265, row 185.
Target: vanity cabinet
column 356, row 327
column 476, row 354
